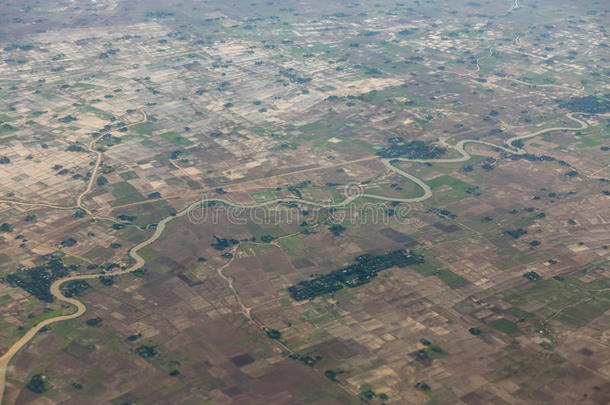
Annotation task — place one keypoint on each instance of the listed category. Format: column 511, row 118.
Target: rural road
column 139, row 261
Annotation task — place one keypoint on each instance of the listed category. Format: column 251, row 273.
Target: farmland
column 304, row 202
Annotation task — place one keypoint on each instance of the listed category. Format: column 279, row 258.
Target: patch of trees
column 296, row 189
column 38, row 383
column 176, row 154
column 293, row 77
column 94, row 322
column 223, row 243
column 517, row 143
column 422, row 386
column 21, row 47
column 354, row 275
column 307, row 360
column 532, row 275
column 274, row 334
column 37, row 280
column 408, row 31
column 7, row 127
column 79, row 213
column 588, row 104
column 146, row 351
column 337, row 229
column 109, row 52
column 75, row 288
column 442, row 213
column 110, row 140
column 529, row 156
column 332, row 375
column 6, row 227
column 516, row 233
column 67, row 119
column 107, row 280
column 139, row 272
column 4, row 160
column 75, row 148
column 411, row 150
column 101, row 181
column 159, row 14
column 68, row 242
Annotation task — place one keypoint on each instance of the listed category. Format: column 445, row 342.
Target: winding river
column 139, row 261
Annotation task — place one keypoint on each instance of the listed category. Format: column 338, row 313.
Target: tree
column 146, row 351
column 68, row 242
column 5, row 227
column 5, row 160
column 337, row 230
column 274, row 334
column 331, row 375
column 532, row 275
column 38, row 383
column 267, row 238
column 94, row 322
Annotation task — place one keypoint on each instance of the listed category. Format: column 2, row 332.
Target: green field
column 176, row 138
column 458, row 187
column 504, row 325
column 125, row 193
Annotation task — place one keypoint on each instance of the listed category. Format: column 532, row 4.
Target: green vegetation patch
column 37, row 280
column 129, row 175
column 75, row 288
column 519, row 313
column 504, row 325
column 143, row 128
column 6, row 128
column 428, row 269
column 125, row 193
column 259, row 231
column 458, row 187
column 144, row 214
column 579, row 315
column 411, row 150
column 38, row 383
column 588, row 104
column 98, row 113
column 176, row 138
column 293, row 246
column 354, row 275
column 260, row 196
column 453, row 280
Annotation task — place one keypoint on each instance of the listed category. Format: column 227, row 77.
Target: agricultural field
column 304, row 202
